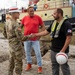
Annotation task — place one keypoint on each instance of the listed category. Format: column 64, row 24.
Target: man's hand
column 31, row 35
column 27, row 37
column 34, row 35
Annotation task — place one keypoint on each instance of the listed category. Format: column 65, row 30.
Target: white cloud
column 10, row 3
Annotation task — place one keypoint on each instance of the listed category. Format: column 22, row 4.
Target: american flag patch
column 69, row 31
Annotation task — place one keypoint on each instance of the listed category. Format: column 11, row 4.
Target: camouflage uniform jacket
column 12, row 33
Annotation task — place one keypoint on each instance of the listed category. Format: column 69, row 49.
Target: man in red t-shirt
column 31, row 24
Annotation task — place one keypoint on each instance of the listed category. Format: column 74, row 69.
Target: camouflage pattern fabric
column 15, row 38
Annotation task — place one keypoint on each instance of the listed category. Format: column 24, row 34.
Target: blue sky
column 11, row 3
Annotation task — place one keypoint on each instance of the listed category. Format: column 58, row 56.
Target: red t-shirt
column 31, row 25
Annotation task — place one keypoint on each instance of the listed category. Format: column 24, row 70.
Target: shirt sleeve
column 68, row 28
column 49, row 28
column 19, row 34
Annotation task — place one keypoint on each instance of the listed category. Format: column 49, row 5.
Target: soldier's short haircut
column 59, row 10
column 30, row 7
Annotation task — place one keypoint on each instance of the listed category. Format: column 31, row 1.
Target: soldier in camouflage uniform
column 13, row 34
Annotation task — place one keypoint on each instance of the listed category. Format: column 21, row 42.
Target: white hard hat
column 14, row 9
column 61, row 58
